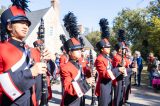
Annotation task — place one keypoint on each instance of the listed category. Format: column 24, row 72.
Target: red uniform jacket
column 70, row 76
column 35, row 54
column 63, row 59
column 102, row 65
column 117, row 59
column 15, row 78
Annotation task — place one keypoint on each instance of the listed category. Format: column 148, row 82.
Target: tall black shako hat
column 104, row 28
column 103, row 43
column 74, row 42
column 121, row 35
column 118, row 46
column 63, row 40
column 15, row 13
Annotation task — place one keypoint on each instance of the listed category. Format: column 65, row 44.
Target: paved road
column 140, row 96
column 143, row 96
column 56, row 91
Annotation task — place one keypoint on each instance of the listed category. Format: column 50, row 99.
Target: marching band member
column 74, row 83
column 103, row 64
column 105, row 74
column 120, row 60
column 36, row 55
column 17, row 73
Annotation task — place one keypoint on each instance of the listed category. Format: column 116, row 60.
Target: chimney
column 81, row 29
column 55, row 4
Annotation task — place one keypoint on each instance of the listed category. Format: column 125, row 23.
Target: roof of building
column 35, row 16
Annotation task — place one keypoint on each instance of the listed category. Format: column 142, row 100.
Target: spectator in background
column 151, row 62
column 139, row 66
column 57, row 59
column 135, row 66
column 56, row 71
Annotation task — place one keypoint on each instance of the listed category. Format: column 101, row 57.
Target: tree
column 154, row 8
column 142, row 29
column 154, row 37
column 154, row 22
column 135, row 24
column 133, row 21
column 94, row 37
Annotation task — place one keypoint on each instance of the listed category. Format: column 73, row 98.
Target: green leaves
column 142, row 27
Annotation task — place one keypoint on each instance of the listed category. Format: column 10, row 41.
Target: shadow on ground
column 54, row 99
column 136, row 104
column 56, row 92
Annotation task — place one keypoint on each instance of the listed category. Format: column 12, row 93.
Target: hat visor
column 107, row 46
column 20, row 18
column 76, row 47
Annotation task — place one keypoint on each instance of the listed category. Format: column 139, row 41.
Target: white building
column 53, row 27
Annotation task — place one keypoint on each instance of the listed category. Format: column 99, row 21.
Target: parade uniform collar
column 17, row 43
column 75, row 63
column 20, row 45
column 105, row 55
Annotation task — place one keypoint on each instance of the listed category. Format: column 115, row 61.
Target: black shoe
column 134, row 84
column 53, row 81
column 138, row 85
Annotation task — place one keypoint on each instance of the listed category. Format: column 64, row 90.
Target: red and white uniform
column 105, row 77
column 117, row 60
column 73, row 84
column 15, row 75
column 63, row 59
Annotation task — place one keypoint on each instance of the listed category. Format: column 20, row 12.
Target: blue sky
column 88, row 12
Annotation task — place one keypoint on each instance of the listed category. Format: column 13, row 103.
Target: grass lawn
column 144, row 77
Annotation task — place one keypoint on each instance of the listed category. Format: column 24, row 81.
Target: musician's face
column 106, row 50
column 75, row 54
column 18, row 30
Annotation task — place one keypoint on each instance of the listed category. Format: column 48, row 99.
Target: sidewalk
column 56, row 100
column 143, row 96
column 140, row 96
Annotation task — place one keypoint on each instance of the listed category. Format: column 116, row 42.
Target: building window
column 51, row 31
